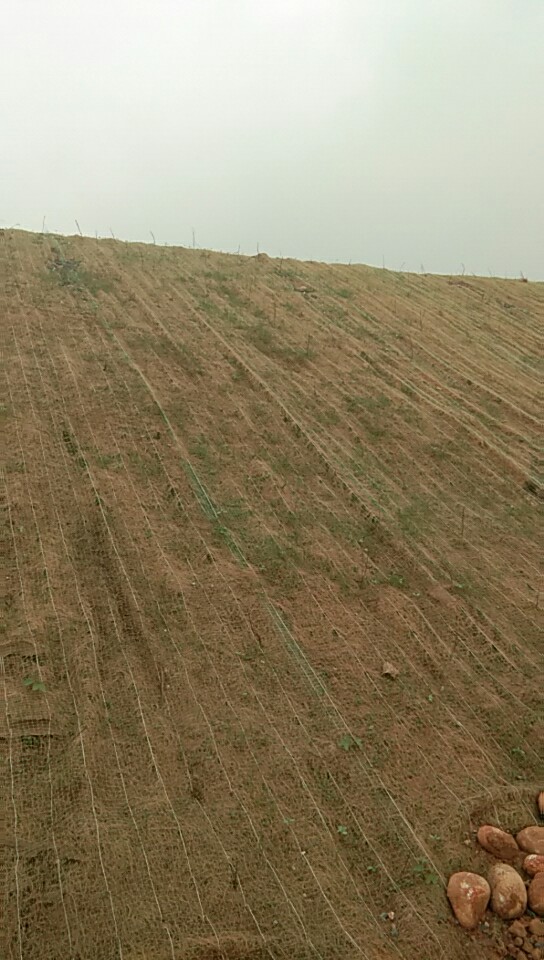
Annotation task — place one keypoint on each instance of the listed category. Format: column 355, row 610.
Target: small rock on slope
column 535, row 894
column 390, row 670
column 533, row 864
column 531, row 839
column 497, row 842
column 508, row 893
column 469, row 895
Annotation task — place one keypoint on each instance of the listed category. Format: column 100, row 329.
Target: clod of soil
column 531, row 839
column 533, row 864
column 536, row 928
column 508, row 893
column 390, row 670
column 501, row 844
column 516, row 929
column 540, row 803
column 469, row 895
column 535, row 894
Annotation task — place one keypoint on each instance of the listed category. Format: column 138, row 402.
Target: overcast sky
column 408, row 130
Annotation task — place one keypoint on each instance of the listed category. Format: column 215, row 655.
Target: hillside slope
column 235, row 488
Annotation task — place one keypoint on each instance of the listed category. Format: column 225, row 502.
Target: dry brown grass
column 234, row 487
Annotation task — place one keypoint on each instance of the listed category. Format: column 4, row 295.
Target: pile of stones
column 513, row 889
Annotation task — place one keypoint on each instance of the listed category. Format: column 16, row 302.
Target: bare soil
column 234, row 488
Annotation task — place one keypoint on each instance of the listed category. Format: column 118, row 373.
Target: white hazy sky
column 411, row 130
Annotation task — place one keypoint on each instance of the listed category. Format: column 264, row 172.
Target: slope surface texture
column 272, row 638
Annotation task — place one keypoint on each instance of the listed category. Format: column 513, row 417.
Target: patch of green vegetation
column 235, row 511
column 109, row 460
column 70, row 273
column 376, row 431
column 288, row 306
column 410, row 414
column 367, row 316
column 223, row 533
column 396, row 579
column 31, row 741
column 353, row 404
column 207, row 305
column 213, row 512
column 412, row 517
column 200, row 448
column 423, row 871
column 345, row 577
column 189, row 360
column 274, row 440
column 239, row 372
column 262, row 337
column 336, row 314
column 376, row 483
column 493, row 408
column 15, row 466
column 94, row 283
column 296, row 355
column 462, row 585
column 371, row 404
column 234, row 297
column 218, row 275
column 233, row 318
column 285, row 271
column 370, row 412
column 38, row 686
column 277, row 562
column 350, row 742
column 349, row 529
column 531, row 360
column 177, row 350
column 440, row 451
column 144, row 466
column 73, row 449
column 327, row 416
column 345, row 293
column 282, row 464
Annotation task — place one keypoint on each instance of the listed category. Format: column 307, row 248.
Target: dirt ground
column 234, row 489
